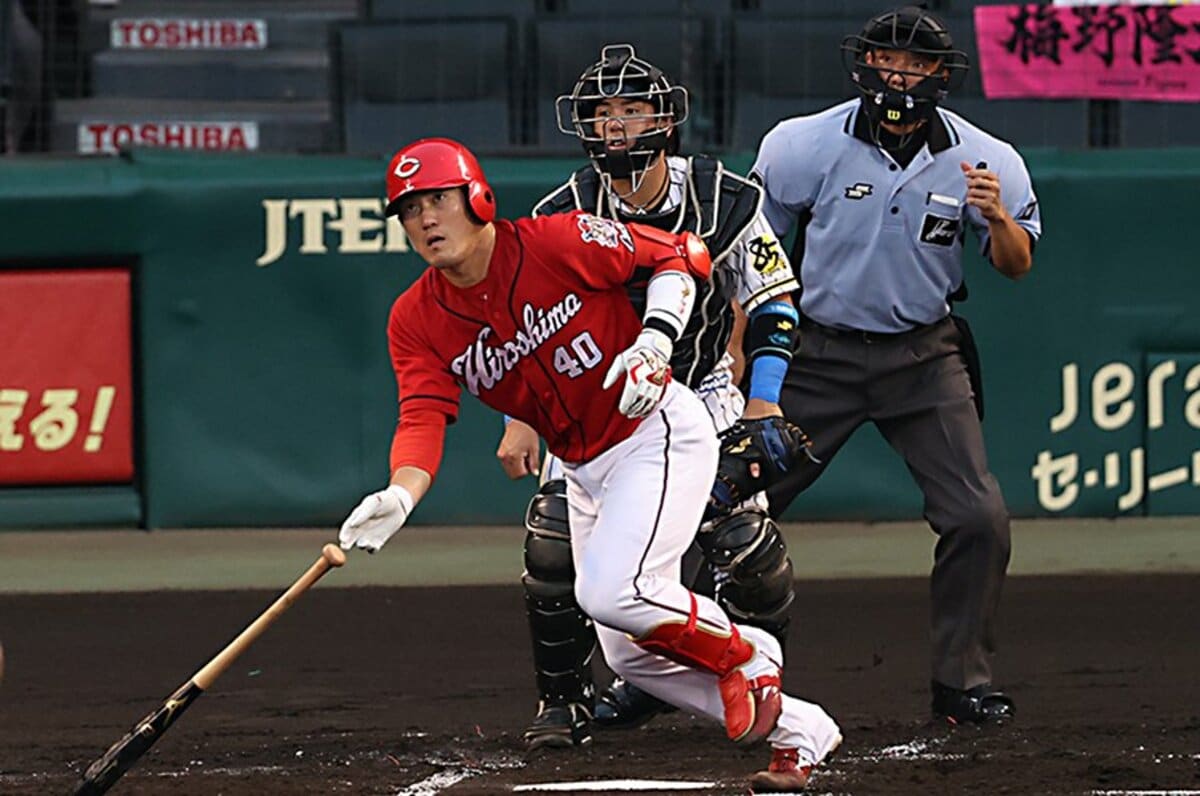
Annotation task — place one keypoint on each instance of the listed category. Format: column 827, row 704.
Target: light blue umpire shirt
column 884, row 245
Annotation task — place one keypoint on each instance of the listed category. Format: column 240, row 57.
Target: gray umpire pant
column 914, row 387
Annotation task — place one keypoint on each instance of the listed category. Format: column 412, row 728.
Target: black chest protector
column 718, row 207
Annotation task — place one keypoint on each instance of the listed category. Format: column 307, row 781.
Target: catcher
column 626, row 113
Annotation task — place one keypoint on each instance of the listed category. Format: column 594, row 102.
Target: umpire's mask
column 918, row 32
column 621, row 74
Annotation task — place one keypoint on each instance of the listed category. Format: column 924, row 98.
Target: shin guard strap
column 695, row 646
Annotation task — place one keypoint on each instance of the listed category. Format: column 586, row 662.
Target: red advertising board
column 66, row 389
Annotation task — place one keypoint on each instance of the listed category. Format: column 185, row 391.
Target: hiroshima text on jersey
column 481, row 365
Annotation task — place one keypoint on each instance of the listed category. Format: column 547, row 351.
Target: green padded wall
column 265, row 396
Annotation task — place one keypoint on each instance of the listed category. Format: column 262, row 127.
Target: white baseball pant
column 633, row 512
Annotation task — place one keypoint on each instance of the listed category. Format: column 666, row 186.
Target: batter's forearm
column 418, row 443
column 670, row 297
column 414, row 479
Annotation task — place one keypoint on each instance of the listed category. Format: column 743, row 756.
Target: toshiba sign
column 109, row 137
column 187, row 34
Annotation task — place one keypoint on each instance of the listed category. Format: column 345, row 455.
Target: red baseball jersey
column 536, row 337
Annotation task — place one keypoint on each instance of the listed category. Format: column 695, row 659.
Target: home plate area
column 425, row 691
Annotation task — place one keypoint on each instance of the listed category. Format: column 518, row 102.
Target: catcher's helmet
column 620, row 74
column 432, row 163
column 918, row 31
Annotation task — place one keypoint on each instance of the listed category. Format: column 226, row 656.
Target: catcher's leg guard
column 752, row 570
column 563, row 637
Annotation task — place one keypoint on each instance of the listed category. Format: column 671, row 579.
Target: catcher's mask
column 432, row 163
column 919, row 32
column 621, row 74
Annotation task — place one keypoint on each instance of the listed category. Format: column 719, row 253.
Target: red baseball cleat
column 784, row 775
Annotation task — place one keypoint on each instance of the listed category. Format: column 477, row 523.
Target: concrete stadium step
column 212, row 75
column 282, row 126
column 300, row 24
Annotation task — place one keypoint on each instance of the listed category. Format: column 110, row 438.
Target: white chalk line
column 454, row 773
column 234, row 770
column 916, row 749
column 616, row 785
column 434, row 784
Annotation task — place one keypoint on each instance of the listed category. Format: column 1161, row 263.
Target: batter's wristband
column 659, row 325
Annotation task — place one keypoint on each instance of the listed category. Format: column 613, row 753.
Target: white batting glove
column 647, row 369
column 376, row 519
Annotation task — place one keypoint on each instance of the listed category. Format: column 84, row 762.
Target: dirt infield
column 424, row 691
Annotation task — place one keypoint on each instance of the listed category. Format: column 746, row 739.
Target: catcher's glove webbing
column 754, row 455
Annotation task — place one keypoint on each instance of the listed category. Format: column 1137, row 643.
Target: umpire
column 882, row 189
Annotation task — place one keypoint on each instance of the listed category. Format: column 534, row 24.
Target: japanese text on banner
column 1137, row 52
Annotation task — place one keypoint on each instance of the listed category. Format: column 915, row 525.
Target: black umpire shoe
column 979, row 705
column 561, row 726
column 623, row 706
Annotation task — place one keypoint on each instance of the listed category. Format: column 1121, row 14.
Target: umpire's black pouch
column 970, row 353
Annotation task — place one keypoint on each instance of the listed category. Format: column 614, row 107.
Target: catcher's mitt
column 754, row 455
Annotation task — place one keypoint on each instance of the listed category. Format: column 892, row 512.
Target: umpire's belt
column 862, row 334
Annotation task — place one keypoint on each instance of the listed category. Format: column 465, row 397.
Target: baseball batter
column 533, row 318
column 626, row 113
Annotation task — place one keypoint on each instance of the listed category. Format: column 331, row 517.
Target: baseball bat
column 106, row 770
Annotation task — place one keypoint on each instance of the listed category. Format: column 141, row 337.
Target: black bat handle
column 101, row 774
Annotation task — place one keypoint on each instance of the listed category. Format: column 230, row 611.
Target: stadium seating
column 633, row 10
column 5, row 67
column 281, row 90
column 1159, row 124
column 854, row 13
column 363, row 75
column 400, row 81
column 449, row 9
column 5, row 48
column 251, row 75
column 562, row 48
column 782, row 67
column 1026, row 123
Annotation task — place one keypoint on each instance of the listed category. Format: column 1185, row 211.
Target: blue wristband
column 766, row 377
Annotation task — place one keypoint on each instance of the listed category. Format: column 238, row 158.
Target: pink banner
column 1096, row 52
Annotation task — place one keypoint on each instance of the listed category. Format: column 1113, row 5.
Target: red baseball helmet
column 433, row 163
